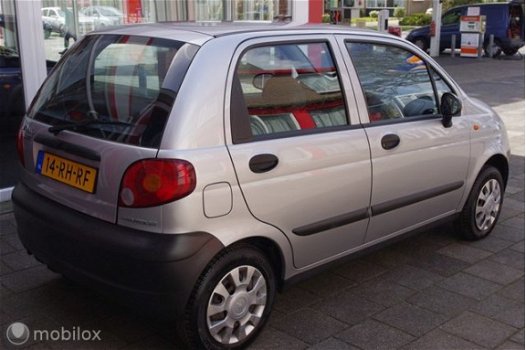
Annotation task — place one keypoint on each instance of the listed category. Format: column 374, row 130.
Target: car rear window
column 115, row 87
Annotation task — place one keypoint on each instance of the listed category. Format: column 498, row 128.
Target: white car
column 104, row 16
column 55, row 17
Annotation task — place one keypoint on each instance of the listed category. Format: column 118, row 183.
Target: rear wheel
column 484, row 204
column 510, row 51
column 231, row 302
column 493, row 50
column 421, row 43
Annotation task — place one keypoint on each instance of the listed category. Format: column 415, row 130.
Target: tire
column 47, row 33
column 484, row 204
column 232, row 313
column 421, row 43
column 493, row 51
column 510, row 51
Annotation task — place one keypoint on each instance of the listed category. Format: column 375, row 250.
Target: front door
column 419, row 166
column 302, row 165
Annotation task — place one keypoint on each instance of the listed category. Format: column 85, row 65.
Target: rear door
column 301, row 158
column 419, row 166
column 103, row 108
column 450, row 27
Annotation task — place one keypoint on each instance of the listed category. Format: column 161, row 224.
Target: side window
column 451, row 17
column 440, row 85
column 290, row 88
column 395, row 82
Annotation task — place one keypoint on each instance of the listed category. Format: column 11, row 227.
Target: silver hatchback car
column 198, row 169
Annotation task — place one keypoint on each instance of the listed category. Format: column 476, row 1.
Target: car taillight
column 20, row 145
column 151, row 182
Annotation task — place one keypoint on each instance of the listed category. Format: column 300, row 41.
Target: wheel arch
column 500, row 162
column 271, row 250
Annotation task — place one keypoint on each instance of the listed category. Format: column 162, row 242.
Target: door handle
column 390, row 141
column 262, row 163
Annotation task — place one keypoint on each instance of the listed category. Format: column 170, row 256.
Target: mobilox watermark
column 18, row 334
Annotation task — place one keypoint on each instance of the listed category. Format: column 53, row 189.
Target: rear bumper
column 156, row 271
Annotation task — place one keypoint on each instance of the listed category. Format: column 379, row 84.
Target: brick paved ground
column 430, row 291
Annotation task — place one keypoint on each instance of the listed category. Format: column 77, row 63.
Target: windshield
column 126, row 83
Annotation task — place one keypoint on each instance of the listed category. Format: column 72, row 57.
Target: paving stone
column 440, row 340
column 518, row 196
column 519, row 247
column 4, row 269
column 5, row 248
column 7, row 225
column 479, row 329
column 20, row 260
column 442, row 301
column 416, row 248
column 107, row 341
column 273, row 339
column 491, row 243
column 509, row 345
column 411, row 319
column 28, row 279
column 514, row 291
column 348, row 307
column 518, row 337
column 13, row 241
column 464, row 252
column 513, row 316
column 33, row 322
column 154, row 342
column 512, row 234
column 513, row 203
column 412, row 277
column 508, row 213
column 514, row 222
column 360, row 270
column 383, row 292
column 326, row 284
column 309, row 325
column 495, row 272
column 493, row 305
column 126, row 327
column 388, row 257
column 372, row 334
column 511, row 258
column 294, row 299
column 333, row 344
column 439, row 263
column 470, row 286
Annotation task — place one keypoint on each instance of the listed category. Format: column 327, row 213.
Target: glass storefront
column 65, row 21
column 11, row 94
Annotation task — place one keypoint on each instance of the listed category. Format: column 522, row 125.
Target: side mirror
column 261, row 79
column 450, row 106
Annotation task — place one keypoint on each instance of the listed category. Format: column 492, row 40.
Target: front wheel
column 231, row 302
column 484, row 204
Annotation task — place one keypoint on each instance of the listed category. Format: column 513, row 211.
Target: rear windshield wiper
column 83, row 125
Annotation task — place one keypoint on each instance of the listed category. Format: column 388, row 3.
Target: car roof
column 200, row 32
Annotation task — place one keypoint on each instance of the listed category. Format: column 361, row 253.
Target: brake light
column 152, row 182
column 20, row 145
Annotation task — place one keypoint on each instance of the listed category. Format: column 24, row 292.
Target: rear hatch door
column 103, row 108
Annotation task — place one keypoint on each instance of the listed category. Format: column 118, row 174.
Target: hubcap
column 488, row 205
column 236, row 305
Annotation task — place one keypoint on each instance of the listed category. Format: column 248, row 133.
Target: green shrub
column 399, row 12
column 326, row 18
column 373, row 14
column 418, row 19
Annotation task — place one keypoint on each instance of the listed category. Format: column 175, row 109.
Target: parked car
column 55, row 17
column 217, row 164
column 503, row 20
column 12, row 106
column 103, row 16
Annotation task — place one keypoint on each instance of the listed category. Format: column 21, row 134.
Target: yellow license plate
column 67, row 171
